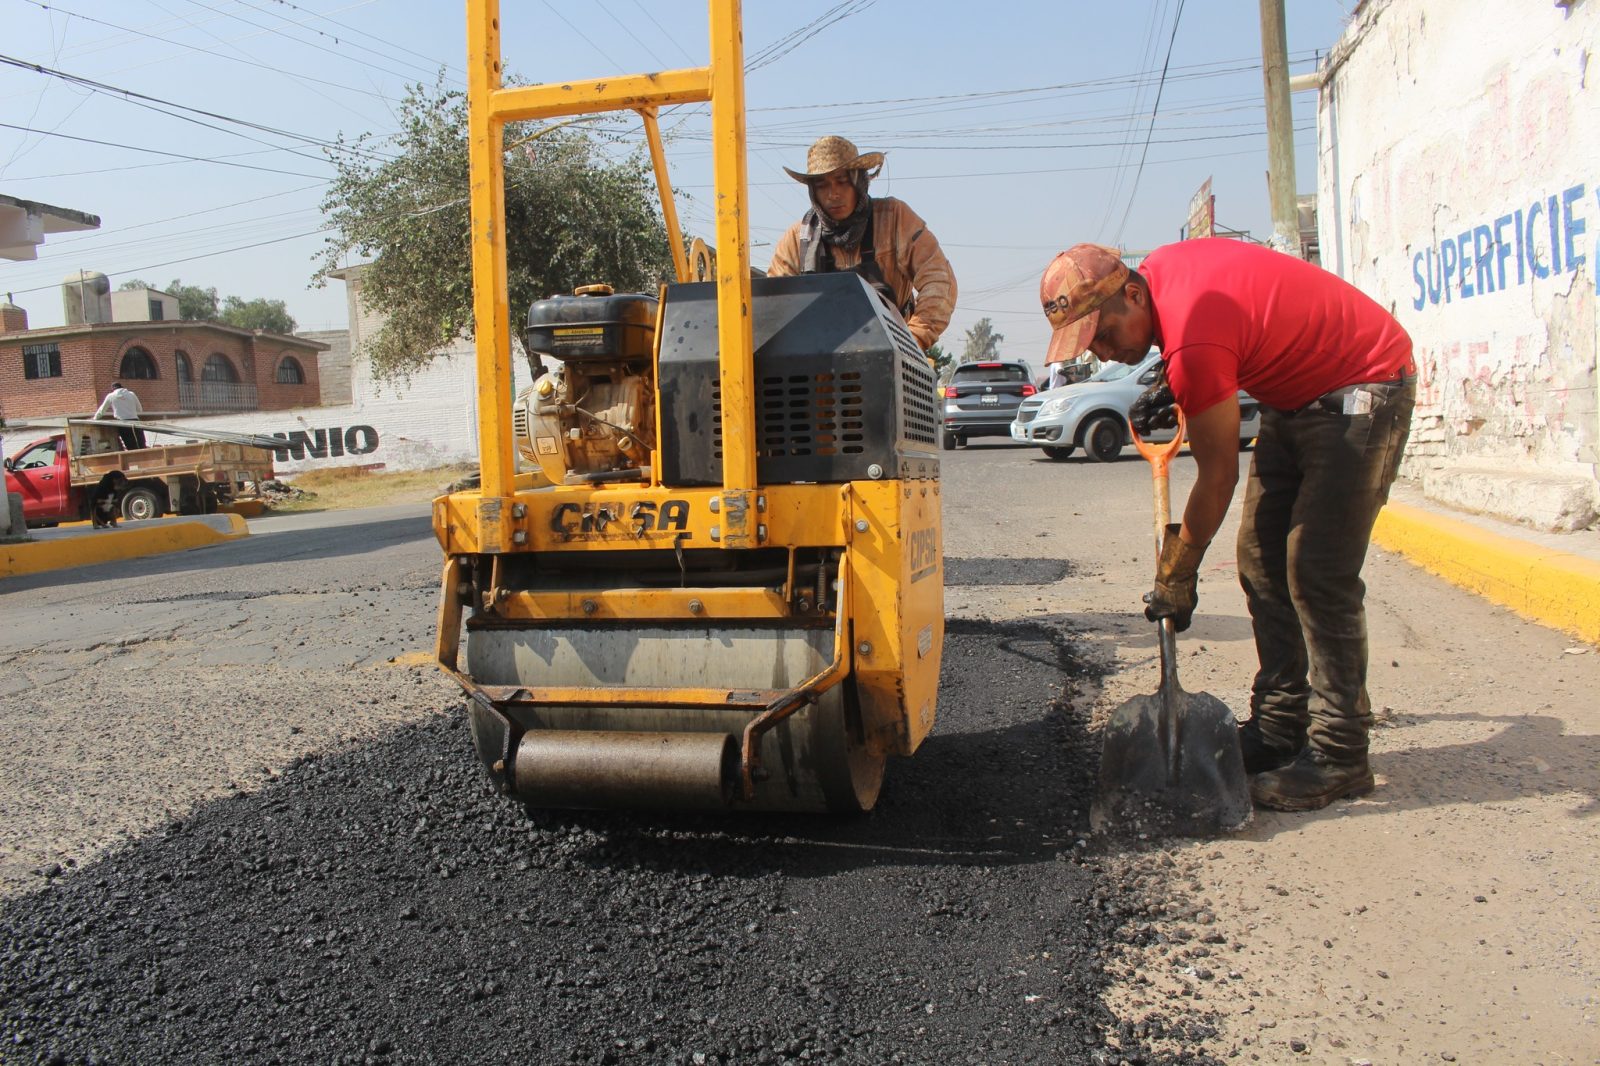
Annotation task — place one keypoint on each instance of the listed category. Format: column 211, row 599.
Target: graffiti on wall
column 1543, row 239
column 331, row 442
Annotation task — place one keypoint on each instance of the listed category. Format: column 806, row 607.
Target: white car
column 1093, row 414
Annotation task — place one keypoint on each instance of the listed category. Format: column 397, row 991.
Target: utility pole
column 1280, row 129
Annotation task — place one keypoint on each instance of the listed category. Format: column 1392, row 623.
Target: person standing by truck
column 123, row 404
column 1334, row 374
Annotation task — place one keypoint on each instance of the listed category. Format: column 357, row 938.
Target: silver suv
column 1093, row 414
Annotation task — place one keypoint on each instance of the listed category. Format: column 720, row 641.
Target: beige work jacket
column 908, row 254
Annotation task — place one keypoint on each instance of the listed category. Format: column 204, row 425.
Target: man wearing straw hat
column 879, row 238
column 1333, row 372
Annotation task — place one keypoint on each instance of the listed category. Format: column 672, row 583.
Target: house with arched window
column 175, row 367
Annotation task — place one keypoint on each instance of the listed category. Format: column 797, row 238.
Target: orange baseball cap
column 1074, row 286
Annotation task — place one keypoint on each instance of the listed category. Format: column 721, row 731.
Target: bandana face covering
column 847, row 232
column 818, row 228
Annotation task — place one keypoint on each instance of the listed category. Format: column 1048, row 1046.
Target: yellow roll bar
column 490, row 105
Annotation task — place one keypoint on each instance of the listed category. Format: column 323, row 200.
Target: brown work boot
column 1311, row 782
column 1261, row 752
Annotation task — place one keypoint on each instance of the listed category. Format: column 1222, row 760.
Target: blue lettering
column 1574, row 225
column 1538, row 268
column 1555, row 237
column 1482, row 258
column 1522, row 266
column 1464, row 259
column 1501, row 249
column 1447, row 266
column 1422, row 288
column 1435, row 278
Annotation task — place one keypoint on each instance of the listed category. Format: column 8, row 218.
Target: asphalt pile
column 275, row 491
column 380, row 905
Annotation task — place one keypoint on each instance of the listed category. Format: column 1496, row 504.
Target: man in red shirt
column 1334, row 375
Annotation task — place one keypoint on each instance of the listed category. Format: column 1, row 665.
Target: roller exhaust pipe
column 582, row 768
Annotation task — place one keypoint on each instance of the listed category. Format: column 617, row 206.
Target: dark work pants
column 131, row 438
column 1317, row 482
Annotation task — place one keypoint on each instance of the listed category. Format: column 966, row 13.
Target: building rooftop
column 24, row 224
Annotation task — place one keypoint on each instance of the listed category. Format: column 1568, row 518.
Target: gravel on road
column 376, row 904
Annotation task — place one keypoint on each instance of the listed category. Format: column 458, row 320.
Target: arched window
column 218, row 368
column 137, row 366
column 290, row 372
column 185, row 371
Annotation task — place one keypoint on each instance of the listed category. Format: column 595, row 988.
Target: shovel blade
column 1198, row 790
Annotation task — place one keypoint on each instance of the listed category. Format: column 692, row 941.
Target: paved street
column 230, row 776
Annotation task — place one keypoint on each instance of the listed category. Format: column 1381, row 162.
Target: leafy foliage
column 943, row 361
column 194, row 303
column 260, row 313
column 982, row 342
column 574, row 216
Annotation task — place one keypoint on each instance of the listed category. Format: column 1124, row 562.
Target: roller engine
column 592, row 418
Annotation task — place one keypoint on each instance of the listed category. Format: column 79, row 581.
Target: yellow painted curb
column 57, row 553
column 1551, row 587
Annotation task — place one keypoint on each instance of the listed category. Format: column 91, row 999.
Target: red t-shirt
column 1231, row 315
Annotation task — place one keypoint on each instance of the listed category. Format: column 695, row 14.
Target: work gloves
column 1174, row 595
column 1156, row 408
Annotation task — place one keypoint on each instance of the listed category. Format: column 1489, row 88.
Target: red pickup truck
column 56, row 475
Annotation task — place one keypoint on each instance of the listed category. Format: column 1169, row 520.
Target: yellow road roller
column 704, row 565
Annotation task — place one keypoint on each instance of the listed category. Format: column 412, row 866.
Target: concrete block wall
column 1459, row 184
column 333, row 365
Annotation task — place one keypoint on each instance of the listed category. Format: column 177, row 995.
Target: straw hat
column 835, row 153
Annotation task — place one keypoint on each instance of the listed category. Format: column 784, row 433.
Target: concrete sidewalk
column 81, row 544
column 1549, row 578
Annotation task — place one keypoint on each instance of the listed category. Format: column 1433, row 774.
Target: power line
column 1134, row 191
column 309, row 44
column 143, row 99
column 167, row 40
column 192, row 258
column 681, row 49
column 157, row 151
column 661, row 63
column 795, row 38
column 434, row 63
column 603, row 54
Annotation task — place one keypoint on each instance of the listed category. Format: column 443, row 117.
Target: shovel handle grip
column 1160, row 459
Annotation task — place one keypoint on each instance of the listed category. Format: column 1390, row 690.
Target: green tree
column 194, row 303
column 942, row 360
column 260, row 313
column 982, row 342
column 574, row 215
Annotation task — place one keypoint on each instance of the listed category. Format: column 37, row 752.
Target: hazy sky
column 1013, row 129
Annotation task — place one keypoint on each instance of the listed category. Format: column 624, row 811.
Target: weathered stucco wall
column 1459, row 184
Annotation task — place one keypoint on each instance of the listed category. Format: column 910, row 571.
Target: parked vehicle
column 1093, row 414
column 981, row 399
column 55, row 476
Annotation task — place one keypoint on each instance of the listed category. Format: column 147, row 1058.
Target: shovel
column 1170, row 763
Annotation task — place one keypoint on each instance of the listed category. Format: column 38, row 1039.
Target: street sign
column 1202, row 213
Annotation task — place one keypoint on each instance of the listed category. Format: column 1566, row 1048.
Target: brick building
column 173, row 367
